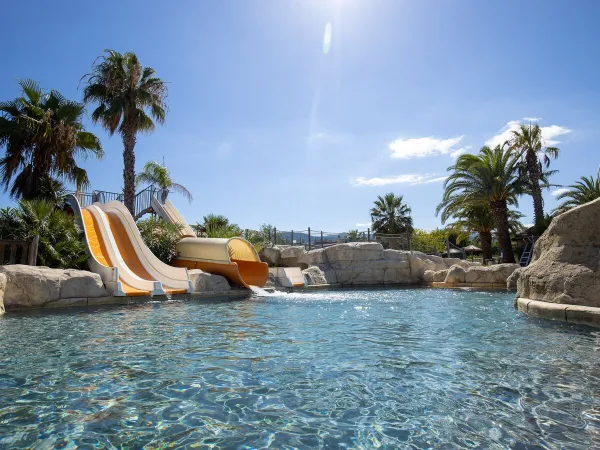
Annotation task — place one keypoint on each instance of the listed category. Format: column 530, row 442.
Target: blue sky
column 276, row 117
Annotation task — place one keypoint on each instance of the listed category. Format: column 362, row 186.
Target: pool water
column 372, row 368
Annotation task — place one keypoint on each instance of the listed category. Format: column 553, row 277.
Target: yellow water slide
column 115, row 258
column 234, row 258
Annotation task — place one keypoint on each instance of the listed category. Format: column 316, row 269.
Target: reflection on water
column 356, row 368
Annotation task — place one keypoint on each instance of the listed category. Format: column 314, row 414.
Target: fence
column 19, row 252
column 310, row 238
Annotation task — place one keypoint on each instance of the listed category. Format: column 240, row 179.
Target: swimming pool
column 338, row 369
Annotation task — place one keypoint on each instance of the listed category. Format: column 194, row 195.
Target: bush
column 429, row 241
column 60, row 242
column 161, row 237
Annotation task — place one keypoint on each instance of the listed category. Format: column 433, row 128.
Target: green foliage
column 259, row 238
column 353, row 236
column 130, row 99
column 579, row 193
column 429, row 241
column 390, row 215
column 161, row 237
column 60, row 243
column 160, row 176
column 43, row 134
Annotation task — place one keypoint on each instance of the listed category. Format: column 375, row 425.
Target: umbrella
column 472, row 249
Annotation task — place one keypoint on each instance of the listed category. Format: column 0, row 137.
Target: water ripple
column 366, row 368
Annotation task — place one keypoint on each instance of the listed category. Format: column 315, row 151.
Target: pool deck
column 585, row 315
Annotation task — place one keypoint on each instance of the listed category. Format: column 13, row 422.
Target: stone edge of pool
column 584, row 315
column 110, row 300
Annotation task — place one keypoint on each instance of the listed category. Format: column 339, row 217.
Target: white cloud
column 548, row 133
column 363, row 225
column 408, row 178
column 460, row 151
column 420, row 147
column 557, row 192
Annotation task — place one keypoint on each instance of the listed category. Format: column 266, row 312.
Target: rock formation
column 29, row 286
column 208, row 282
column 566, row 260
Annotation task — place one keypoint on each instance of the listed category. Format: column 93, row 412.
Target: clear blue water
column 339, row 369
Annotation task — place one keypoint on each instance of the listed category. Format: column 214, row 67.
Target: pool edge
column 583, row 315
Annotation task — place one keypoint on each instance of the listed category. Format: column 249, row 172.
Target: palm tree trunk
column 533, row 167
column 500, row 213
column 485, row 239
column 129, row 140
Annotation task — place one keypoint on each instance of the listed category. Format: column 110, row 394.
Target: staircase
column 527, row 251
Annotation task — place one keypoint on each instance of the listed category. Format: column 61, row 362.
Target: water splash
column 260, row 292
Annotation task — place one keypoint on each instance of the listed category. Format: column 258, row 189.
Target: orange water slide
column 98, row 249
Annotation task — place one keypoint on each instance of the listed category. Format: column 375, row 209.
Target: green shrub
column 60, row 242
column 161, row 237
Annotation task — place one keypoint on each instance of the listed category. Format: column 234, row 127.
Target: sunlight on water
column 352, row 368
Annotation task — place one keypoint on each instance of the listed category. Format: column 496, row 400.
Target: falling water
column 260, row 292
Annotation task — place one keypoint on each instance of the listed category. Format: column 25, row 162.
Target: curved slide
column 122, row 264
column 234, row 258
column 170, row 214
column 140, row 259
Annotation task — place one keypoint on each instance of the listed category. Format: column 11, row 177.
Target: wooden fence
column 19, row 252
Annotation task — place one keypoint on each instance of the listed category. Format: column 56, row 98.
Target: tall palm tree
column 390, row 215
column 160, row 176
column 579, row 193
column 489, row 178
column 43, row 136
column 479, row 219
column 529, row 144
column 125, row 91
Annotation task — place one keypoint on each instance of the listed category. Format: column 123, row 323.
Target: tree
column 125, row 92
column 160, row 176
column 218, row 226
column 390, row 215
column 43, row 136
column 528, row 142
column 60, row 244
column 579, row 193
column 160, row 237
column 429, row 241
column 490, row 178
column 479, row 219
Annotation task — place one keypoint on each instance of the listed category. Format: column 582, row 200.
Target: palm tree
column 584, row 191
column 490, row 178
column 390, row 215
column 60, row 245
column 125, row 91
column 479, row 219
column 160, row 176
column 529, row 144
column 43, row 136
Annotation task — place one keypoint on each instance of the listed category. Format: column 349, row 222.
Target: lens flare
column 327, row 36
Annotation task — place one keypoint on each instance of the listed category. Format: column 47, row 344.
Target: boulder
column 316, row 275
column 455, row 274
column 565, row 266
column 3, row 279
column 208, row 282
column 433, row 276
column 290, row 256
column 511, row 281
column 313, row 258
column 270, row 255
column 496, row 274
column 28, row 286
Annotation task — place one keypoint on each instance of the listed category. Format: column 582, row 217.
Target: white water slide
column 170, row 214
column 139, row 257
